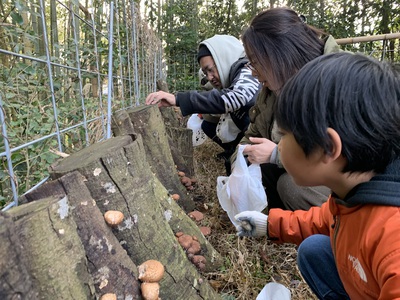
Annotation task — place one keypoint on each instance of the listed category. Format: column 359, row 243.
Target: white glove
column 252, row 223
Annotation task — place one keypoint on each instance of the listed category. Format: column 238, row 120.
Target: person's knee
column 313, row 247
column 308, row 248
column 316, row 251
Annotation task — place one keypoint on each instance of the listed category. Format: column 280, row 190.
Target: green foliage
column 186, row 23
column 31, row 107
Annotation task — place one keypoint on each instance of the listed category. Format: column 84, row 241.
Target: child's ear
column 336, row 143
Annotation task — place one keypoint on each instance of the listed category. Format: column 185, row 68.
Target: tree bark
column 147, row 121
column 119, row 177
column 51, row 250
column 181, row 145
column 179, row 137
column 15, row 281
column 109, row 265
column 103, row 262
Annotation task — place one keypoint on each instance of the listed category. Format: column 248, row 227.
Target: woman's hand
column 260, row 151
column 161, row 98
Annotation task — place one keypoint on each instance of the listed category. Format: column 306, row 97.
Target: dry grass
column 250, row 263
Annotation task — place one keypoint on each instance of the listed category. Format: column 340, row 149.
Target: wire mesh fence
column 184, row 75
column 64, row 71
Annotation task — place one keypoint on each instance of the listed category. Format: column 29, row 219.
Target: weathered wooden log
column 147, row 121
column 15, row 280
column 109, row 266
column 179, row 137
column 119, row 178
column 162, row 85
column 181, row 145
column 171, row 116
column 51, row 249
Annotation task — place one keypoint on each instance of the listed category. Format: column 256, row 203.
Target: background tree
column 185, row 23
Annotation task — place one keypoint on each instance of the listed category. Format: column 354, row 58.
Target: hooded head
column 225, row 50
column 203, row 51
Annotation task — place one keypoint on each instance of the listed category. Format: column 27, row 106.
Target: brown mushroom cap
column 150, row 290
column 199, row 261
column 181, row 174
column 185, row 180
column 179, row 234
column 196, row 259
column 196, row 215
column 185, row 241
column 194, row 248
column 151, row 271
column 205, row 230
column 175, row 197
column 108, row 296
column 113, row 217
column 201, row 266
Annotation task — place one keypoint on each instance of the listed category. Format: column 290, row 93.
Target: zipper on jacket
column 335, row 226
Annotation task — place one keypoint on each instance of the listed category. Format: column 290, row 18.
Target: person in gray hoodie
column 226, row 106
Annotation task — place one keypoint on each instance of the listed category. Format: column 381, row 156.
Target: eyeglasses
column 250, row 67
column 210, row 70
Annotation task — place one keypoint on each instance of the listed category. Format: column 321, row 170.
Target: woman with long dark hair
column 278, row 43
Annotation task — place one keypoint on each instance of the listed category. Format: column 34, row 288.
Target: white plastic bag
column 194, row 123
column 274, row 291
column 227, row 130
column 243, row 189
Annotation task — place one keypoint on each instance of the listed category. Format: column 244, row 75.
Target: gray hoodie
column 239, row 87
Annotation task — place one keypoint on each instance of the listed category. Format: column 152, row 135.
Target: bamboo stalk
column 368, row 38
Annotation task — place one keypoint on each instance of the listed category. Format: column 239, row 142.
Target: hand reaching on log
column 161, row 98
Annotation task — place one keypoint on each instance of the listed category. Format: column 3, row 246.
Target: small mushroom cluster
column 197, row 216
column 150, row 273
column 192, row 248
column 186, row 181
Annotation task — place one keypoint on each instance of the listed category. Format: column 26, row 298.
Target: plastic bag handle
column 241, row 162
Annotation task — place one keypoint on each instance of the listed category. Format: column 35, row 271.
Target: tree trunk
column 118, row 176
column 181, row 145
column 101, row 263
column 147, row 121
column 49, row 246
column 15, row 281
column 179, row 138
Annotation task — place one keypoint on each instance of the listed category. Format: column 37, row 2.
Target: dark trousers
column 283, row 193
column 210, row 129
column 314, row 252
column 270, row 176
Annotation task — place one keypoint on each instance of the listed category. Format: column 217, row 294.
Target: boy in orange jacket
column 340, row 119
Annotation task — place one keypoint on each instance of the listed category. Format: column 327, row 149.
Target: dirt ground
column 250, row 263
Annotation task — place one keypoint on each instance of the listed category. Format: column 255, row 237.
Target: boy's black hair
column 357, row 96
